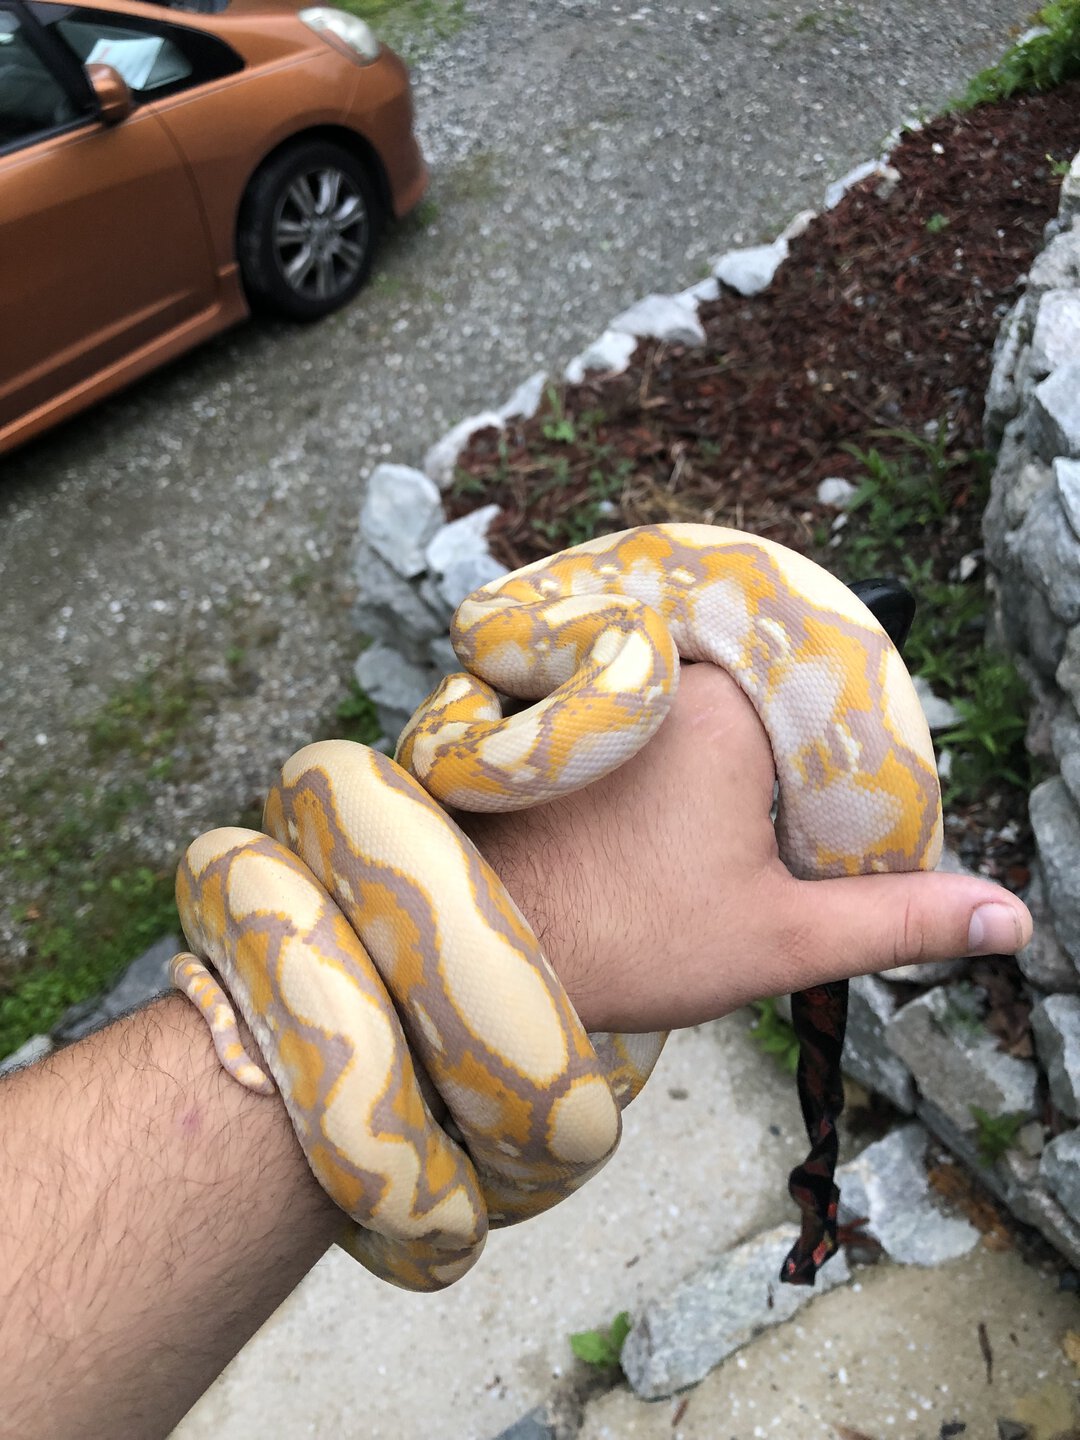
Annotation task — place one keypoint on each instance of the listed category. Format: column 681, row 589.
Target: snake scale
column 433, row 1068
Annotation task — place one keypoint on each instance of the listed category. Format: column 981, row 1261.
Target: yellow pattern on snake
column 433, row 1068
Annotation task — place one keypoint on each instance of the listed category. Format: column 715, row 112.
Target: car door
column 103, row 247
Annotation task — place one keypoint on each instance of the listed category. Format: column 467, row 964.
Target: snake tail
column 819, row 1016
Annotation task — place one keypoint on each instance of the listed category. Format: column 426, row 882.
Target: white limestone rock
column 866, row 1057
column 1011, row 364
column 1059, row 1170
column 1056, row 337
column 34, row 1049
column 402, row 509
column 1055, row 1023
column 389, row 608
column 1055, row 820
column 798, row 225
column 610, row 353
column 458, row 558
column 839, row 188
column 670, row 318
column 887, row 1186
column 1069, row 202
column 1067, row 478
column 394, row 684
column 940, row 714
column 525, row 401
column 836, row 491
column 441, row 460
column 751, row 270
column 679, row 1339
column 957, row 1062
column 1058, row 266
column 702, row 290
column 1055, row 416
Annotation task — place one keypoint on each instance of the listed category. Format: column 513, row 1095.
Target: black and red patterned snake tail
column 819, row 1017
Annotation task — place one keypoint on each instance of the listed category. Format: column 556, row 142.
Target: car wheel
column 308, row 228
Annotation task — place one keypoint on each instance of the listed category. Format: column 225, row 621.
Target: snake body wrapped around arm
column 434, row 1069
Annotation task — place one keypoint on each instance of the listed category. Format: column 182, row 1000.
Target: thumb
column 864, row 923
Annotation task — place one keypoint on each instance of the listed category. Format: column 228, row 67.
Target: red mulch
column 875, row 321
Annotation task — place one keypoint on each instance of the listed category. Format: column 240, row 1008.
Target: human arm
column 155, row 1213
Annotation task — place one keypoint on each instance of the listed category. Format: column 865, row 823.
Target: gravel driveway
column 583, row 154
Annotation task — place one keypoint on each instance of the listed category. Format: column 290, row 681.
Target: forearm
column 154, row 1215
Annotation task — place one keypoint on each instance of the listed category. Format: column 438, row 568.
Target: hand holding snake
column 593, row 636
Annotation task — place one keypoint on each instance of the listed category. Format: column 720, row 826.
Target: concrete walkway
column 703, row 1165
column 894, row 1356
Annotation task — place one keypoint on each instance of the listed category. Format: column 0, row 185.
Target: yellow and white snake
column 432, row 1066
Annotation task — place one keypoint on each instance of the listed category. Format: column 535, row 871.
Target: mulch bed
column 882, row 319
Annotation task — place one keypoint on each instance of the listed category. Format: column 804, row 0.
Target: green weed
column 145, row 716
column 774, row 1036
column 937, row 223
column 1040, row 63
column 602, row 1348
column 357, row 717
column 988, row 741
column 994, row 1134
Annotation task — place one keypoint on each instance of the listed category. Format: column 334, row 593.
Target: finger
column 855, row 926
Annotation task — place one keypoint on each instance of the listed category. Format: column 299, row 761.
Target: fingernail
column 994, row 930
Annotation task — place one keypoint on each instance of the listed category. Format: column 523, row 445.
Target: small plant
column 602, row 1348
column 425, row 214
column 145, row 716
column 1058, row 168
column 994, row 1134
column 988, row 741
column 774, row 1036
column 1049, row 57
column 357, row 716
column 937, row 223
column 962, row 1016
column 560, row 428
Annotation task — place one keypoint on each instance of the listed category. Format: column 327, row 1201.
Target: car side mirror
column 113, row 96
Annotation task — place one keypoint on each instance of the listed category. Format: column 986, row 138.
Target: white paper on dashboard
column 131, row 59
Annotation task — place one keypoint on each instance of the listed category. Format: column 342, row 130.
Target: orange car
column 165, row 166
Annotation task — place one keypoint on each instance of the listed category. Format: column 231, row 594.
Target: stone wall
column 931, row 1055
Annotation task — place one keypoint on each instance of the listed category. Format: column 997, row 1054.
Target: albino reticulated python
column 434, row 1070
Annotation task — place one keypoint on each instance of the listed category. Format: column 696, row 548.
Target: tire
column 308, row 230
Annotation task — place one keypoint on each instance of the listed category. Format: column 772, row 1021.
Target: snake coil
column 432, row 1066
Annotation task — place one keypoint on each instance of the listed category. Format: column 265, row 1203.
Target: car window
column 146, row 61
column 156, row 59
column 32, row 100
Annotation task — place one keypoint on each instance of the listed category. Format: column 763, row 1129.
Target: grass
column 94, row 910
column 410, row 26
column 93, row 904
